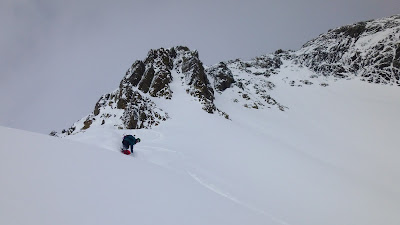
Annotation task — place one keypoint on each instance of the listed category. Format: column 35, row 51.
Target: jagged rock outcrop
column 131, row 105
column 369, row 50
column 189, row 64
column 153, row 75
column 122, row 109
column 248, row 80
column 222, row 76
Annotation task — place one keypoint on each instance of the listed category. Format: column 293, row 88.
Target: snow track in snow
column 177, row 161
column 217, row 190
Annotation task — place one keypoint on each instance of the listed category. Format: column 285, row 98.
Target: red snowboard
column 126, row 152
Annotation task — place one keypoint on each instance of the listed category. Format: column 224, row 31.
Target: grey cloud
column 58, row 57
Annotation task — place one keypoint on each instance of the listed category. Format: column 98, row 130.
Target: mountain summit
column 369, row 51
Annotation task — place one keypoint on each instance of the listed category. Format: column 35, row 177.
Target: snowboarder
column 129, row 141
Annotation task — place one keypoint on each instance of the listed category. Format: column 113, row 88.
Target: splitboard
column 126, row 152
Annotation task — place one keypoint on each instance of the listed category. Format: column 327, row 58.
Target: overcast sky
column 58, row 57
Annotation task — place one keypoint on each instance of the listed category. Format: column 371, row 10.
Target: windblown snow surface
column 331, row 158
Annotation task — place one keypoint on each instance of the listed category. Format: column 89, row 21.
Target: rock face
column 248, row 80
column 122, row 109
column 189, row 64
column 153, row 75
column 223, row 77
column 369, row 50
column 131, row 105
column 366, row 50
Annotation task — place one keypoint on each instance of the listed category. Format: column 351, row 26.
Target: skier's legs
column 125, row 145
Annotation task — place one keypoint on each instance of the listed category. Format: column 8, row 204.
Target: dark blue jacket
column 129, row 141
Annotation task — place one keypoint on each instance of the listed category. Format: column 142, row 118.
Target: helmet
column 138, row 140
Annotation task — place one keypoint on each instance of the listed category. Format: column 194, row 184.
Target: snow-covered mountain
column 302, row 137
column 369, row 51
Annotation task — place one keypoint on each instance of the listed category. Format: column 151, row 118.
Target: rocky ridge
column 367, row 50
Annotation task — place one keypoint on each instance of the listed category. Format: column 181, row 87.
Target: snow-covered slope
column 46, row 180
column 335, row 165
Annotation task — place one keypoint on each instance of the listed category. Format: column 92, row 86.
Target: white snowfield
column 332, row 158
